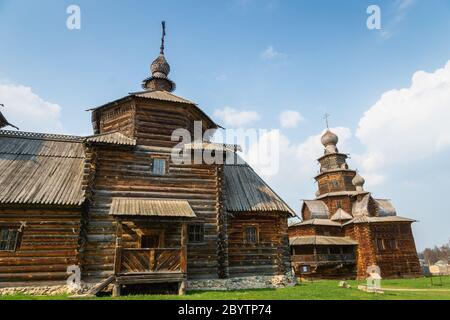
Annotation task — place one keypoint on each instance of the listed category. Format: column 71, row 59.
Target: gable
column 317, row 209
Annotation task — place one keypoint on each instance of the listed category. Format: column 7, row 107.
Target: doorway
column 150, row 241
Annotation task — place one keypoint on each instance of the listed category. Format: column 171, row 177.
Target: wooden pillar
column 315, row 255
column 118, row 249
column 152, row 262
column 116, row 290
column 183, row 258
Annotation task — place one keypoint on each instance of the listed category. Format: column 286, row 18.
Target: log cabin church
column 345, row 230
column 115, row 205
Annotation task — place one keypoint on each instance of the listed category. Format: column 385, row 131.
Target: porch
column 325, row 257
column 322, row 259
column 151, row 242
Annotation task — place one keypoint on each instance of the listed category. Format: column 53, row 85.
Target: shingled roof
column 41, row 169
column 247, row 192
column 115, row 138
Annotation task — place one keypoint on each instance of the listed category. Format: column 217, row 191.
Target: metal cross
column 327, row 117
column 163, row 36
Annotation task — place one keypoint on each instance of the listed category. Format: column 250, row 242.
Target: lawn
column 317, row 290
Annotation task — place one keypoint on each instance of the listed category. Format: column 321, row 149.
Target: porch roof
column 151, row 208
column 322, row 241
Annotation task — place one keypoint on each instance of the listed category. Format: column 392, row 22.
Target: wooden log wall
column 156, row 121
column 333, row 203
column 270, row 256
column 310, row 230
column 366, row 250
column 343, row 178
column 335, row 160
column 222, row 227
column 48, row 245
column 127, row 173
column 401, row 261
column 118, row 118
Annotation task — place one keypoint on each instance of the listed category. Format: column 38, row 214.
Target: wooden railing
column 324, row 258
column 149, row 260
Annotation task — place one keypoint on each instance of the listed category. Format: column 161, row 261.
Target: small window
column 159, row 167
column 335, row 184
column 196, row 233
column 339, row 204
column 251, row 235
column 8, row 239
column 391, row 244
column 380, row 245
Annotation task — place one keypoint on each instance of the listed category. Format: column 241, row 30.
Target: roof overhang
column 322, row 241
column 140, row 207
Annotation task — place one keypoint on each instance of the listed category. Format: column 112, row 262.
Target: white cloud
column 236, row 118
column 297, row 164
column 396, row 13
column 28, row 111
column 271, row 54
column 407, row 125
column 403, row 4
column 290, row 119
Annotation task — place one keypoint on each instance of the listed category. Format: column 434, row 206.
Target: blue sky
column 262, row 57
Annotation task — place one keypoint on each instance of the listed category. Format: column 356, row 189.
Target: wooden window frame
column 379, row 241
column 166, row 165
column 248, row 226
column 19, row 231
column 202, row 233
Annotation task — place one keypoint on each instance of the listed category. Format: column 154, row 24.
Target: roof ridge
column 40, row 136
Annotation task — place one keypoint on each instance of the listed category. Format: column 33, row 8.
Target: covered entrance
column 327, row 257
column 151, row 242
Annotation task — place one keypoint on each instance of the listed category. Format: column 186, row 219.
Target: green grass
column 317, row 290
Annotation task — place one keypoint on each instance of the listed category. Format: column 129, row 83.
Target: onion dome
column 160, row 70
column 330, row 139
column 358, row 182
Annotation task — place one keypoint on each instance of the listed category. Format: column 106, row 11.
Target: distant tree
column 431, row 256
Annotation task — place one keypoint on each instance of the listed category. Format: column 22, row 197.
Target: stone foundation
column 39, row 291
column 245, row 283
column 255, row 282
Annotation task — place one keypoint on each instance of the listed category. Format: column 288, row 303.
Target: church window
column 251, row 235
column 159, row 167
column 392, row 244
column 196, row 233
column 9, row 238
column 380, row 245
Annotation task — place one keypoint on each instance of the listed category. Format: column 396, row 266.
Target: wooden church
column 117, row 206
column 346, row 230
